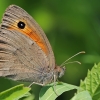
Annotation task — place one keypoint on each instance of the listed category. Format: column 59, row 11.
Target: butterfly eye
column 21, row 25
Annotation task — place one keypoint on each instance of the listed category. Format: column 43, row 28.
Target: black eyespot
column 21, row 25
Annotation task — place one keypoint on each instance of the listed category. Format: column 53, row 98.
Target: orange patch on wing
column 32, row 34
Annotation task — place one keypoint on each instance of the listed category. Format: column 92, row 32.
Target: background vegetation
column 71, row 26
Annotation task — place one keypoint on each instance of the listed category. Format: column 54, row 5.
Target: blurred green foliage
column 71, row 26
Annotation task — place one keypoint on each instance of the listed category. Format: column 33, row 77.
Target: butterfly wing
column 25, row 54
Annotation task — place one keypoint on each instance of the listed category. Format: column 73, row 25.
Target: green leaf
column 15, row 93
column 51, row 93
column 92, row 82
column 84, row 95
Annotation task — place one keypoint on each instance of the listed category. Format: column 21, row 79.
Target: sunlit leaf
column 84, row 95
column 92, row 82
column 15, row 93
column 52, row 92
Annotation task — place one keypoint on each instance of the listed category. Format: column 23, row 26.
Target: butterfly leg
column 54, row 87
column 35, row 83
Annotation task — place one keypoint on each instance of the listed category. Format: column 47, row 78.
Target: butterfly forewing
column 25, row 54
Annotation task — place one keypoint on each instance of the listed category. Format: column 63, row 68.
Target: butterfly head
column 60, row 71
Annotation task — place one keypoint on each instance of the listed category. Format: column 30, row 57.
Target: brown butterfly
column 25, row 52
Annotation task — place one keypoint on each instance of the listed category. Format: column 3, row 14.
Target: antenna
column 71, row 58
